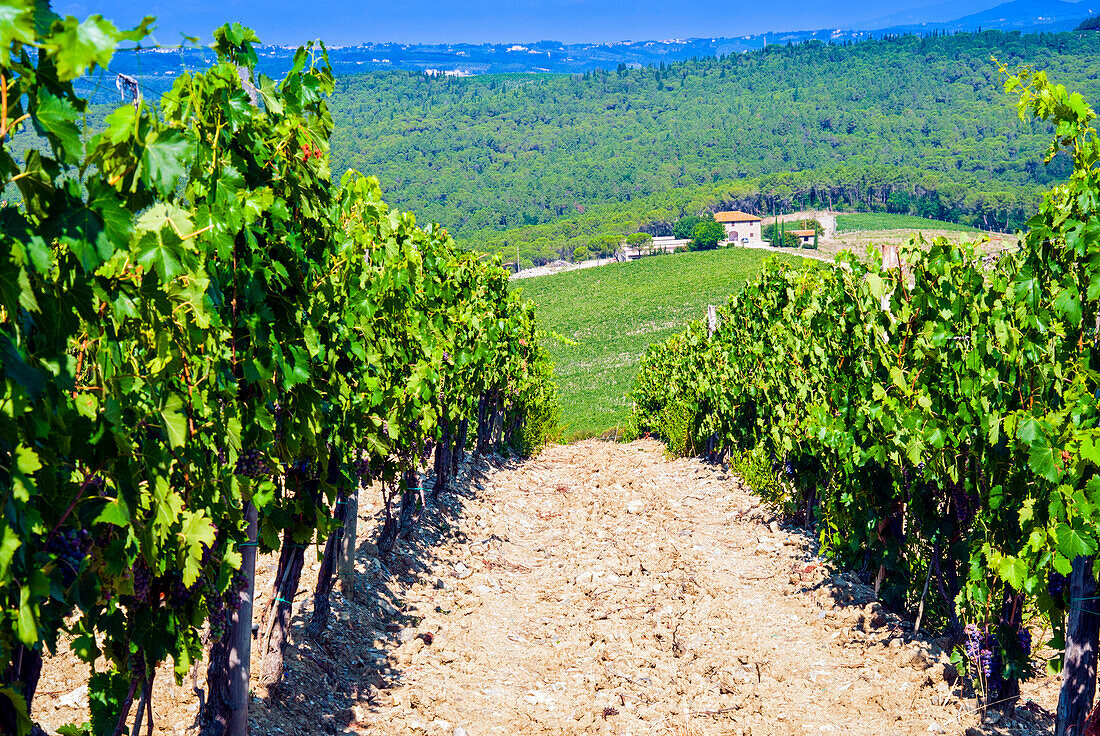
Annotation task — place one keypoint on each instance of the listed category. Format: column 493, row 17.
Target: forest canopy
column 907, row 124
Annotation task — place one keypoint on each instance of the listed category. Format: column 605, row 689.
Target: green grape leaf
column 16, row 26
column 58, row 118
column 116, row 221
column 1071, row 543
column 164, row 159
column 9, row 543
column 81, row 44
column 175, row 422
column 160, row 243
column 1028, row 430
column 18, row 706
column 26, row 618
column 1040, row 458
column 85, row 648
column 26, row 460
column 142, row 30
column 114, row 512
column 1013, row 571
column 1090, row 448
column 197, row 531
column 262, row 495
column 16, row 368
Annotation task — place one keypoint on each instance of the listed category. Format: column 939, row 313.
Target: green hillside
column 910, row 125
column 614, row 312
column 889, row 221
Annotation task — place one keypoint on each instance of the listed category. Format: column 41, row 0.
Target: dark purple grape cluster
column 446, row 355
column 1057, row 585
column 181, row 594
column 1023, row 638
column 220, row 608
column 307, row 469
column 964, row 509
column 984, row 652
column 986, row 658
column 788, row 468
column 973, row 642
column 219, row 622
column 70, row 548
column 280, row 415
column 251, row 464
column 361, row 468
column 143, row 581
column 208, row 553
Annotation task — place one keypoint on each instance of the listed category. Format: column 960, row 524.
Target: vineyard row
column 208, row 350
column 936, row 419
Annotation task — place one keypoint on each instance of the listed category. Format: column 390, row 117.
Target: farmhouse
column 739, row 226
column 805, row 237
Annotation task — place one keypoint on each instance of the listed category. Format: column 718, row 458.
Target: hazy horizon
column 348, row 23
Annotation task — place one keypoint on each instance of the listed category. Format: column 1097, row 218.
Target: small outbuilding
column 805, row 237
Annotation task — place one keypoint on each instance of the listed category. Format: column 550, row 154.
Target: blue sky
column 343, row 22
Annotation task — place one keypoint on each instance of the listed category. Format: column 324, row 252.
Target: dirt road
column 602, row 589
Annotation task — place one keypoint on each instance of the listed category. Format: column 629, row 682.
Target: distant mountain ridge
column 1017, row 15
column 157, row 66
column 937, row 13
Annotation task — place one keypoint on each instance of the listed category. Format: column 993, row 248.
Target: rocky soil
column 598, row 589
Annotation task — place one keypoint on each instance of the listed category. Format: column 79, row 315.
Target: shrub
column 706, row 235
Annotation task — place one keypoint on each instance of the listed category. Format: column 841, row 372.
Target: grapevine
column 168, row 289
column 950, row 407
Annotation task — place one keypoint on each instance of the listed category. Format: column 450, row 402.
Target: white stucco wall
column 750, row 230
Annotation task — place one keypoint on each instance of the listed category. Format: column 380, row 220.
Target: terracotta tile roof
column 802, row 233
column 735, row 216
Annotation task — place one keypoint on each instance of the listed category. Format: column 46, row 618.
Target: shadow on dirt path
column 599, row 588
column 602, row 588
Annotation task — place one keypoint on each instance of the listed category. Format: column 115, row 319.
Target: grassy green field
column 885, row 221
column 614, row 312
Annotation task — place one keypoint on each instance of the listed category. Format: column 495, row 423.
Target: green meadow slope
column 890, row 221
column 612, row 313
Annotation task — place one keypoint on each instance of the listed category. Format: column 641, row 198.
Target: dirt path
column 602, row 589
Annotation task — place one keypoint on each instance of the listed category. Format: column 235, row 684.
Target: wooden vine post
column 1082, row 633
column 240, row 652
column 346, row 565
